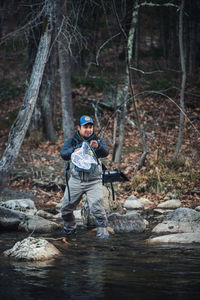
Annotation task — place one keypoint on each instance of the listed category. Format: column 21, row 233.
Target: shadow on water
column 122, row 267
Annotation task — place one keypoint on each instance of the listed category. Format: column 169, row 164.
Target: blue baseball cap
column 85, row 120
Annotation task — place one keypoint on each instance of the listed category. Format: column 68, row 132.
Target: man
column 81, row 182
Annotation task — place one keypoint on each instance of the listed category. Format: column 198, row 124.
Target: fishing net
column 84, row 159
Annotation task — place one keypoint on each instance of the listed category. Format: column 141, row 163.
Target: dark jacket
column 76, row 142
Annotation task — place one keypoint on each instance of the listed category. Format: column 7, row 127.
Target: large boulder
column 38, row 224
column 24, row 205
column 131, row 222
column 178, row 238
column 32, row 249
column 179, row 221
column 15, row 220
column 10, row 219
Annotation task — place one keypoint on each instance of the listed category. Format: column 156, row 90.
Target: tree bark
column 42, row 120
column 47, row 98
column 20, row 126
column 118, row 151
column 66, row 94
column 182, row 58
column 65, row 73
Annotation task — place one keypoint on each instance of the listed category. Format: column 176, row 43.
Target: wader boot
column 102, row 233
column 69, row 225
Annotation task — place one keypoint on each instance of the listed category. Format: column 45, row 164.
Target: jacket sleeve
column 102, row 150
column 67, row 149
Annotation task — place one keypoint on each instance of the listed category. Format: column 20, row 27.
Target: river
column 122, row 267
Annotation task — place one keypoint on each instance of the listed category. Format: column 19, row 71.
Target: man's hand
column 77, row 149
column 94, row 144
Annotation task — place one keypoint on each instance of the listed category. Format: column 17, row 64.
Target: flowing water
column 122, row 267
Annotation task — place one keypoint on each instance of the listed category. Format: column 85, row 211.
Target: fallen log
column 99, row 102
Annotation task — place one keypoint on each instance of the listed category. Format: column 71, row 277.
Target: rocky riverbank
column 135, row 215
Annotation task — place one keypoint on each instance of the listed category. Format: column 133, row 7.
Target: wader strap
column 67, row 179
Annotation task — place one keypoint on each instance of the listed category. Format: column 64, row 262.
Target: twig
column 143, row 72
column 98, row 52
column 62, row 239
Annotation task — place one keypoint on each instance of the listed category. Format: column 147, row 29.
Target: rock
column 172, row 226
column 21, row 204
column 162, row 211
column 133, row 204
column 197, row 208
column 10, row 219
column 184, row 214
column 146, row 202
column 132, row 212
column 126, row 223
column 44, row 214
column 32, row 249
column 16, row 220
column 38, row 224
column 132, row 197
column 170, row 204
column 181, row 220
column 179, row 238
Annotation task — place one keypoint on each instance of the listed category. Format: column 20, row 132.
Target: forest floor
column 39, row 170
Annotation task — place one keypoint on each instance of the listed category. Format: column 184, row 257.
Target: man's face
column 86, row 130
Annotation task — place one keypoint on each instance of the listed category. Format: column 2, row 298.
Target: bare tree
column 64, row 70
column 131, row 35
column 20, row 126
column 182, row 59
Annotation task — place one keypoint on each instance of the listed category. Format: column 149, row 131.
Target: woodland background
column 132, row 65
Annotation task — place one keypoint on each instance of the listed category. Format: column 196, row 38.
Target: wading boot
column 69, row 228
column 102, row 233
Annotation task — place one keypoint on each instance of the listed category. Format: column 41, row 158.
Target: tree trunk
column 47, row 98
column 20, row 126
column 65, row 74
column 42, row 120
column 192, row 47
column 2, row 17
column 66, row 93
column 182, row 58
column 137, row 43
column 118, row 152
